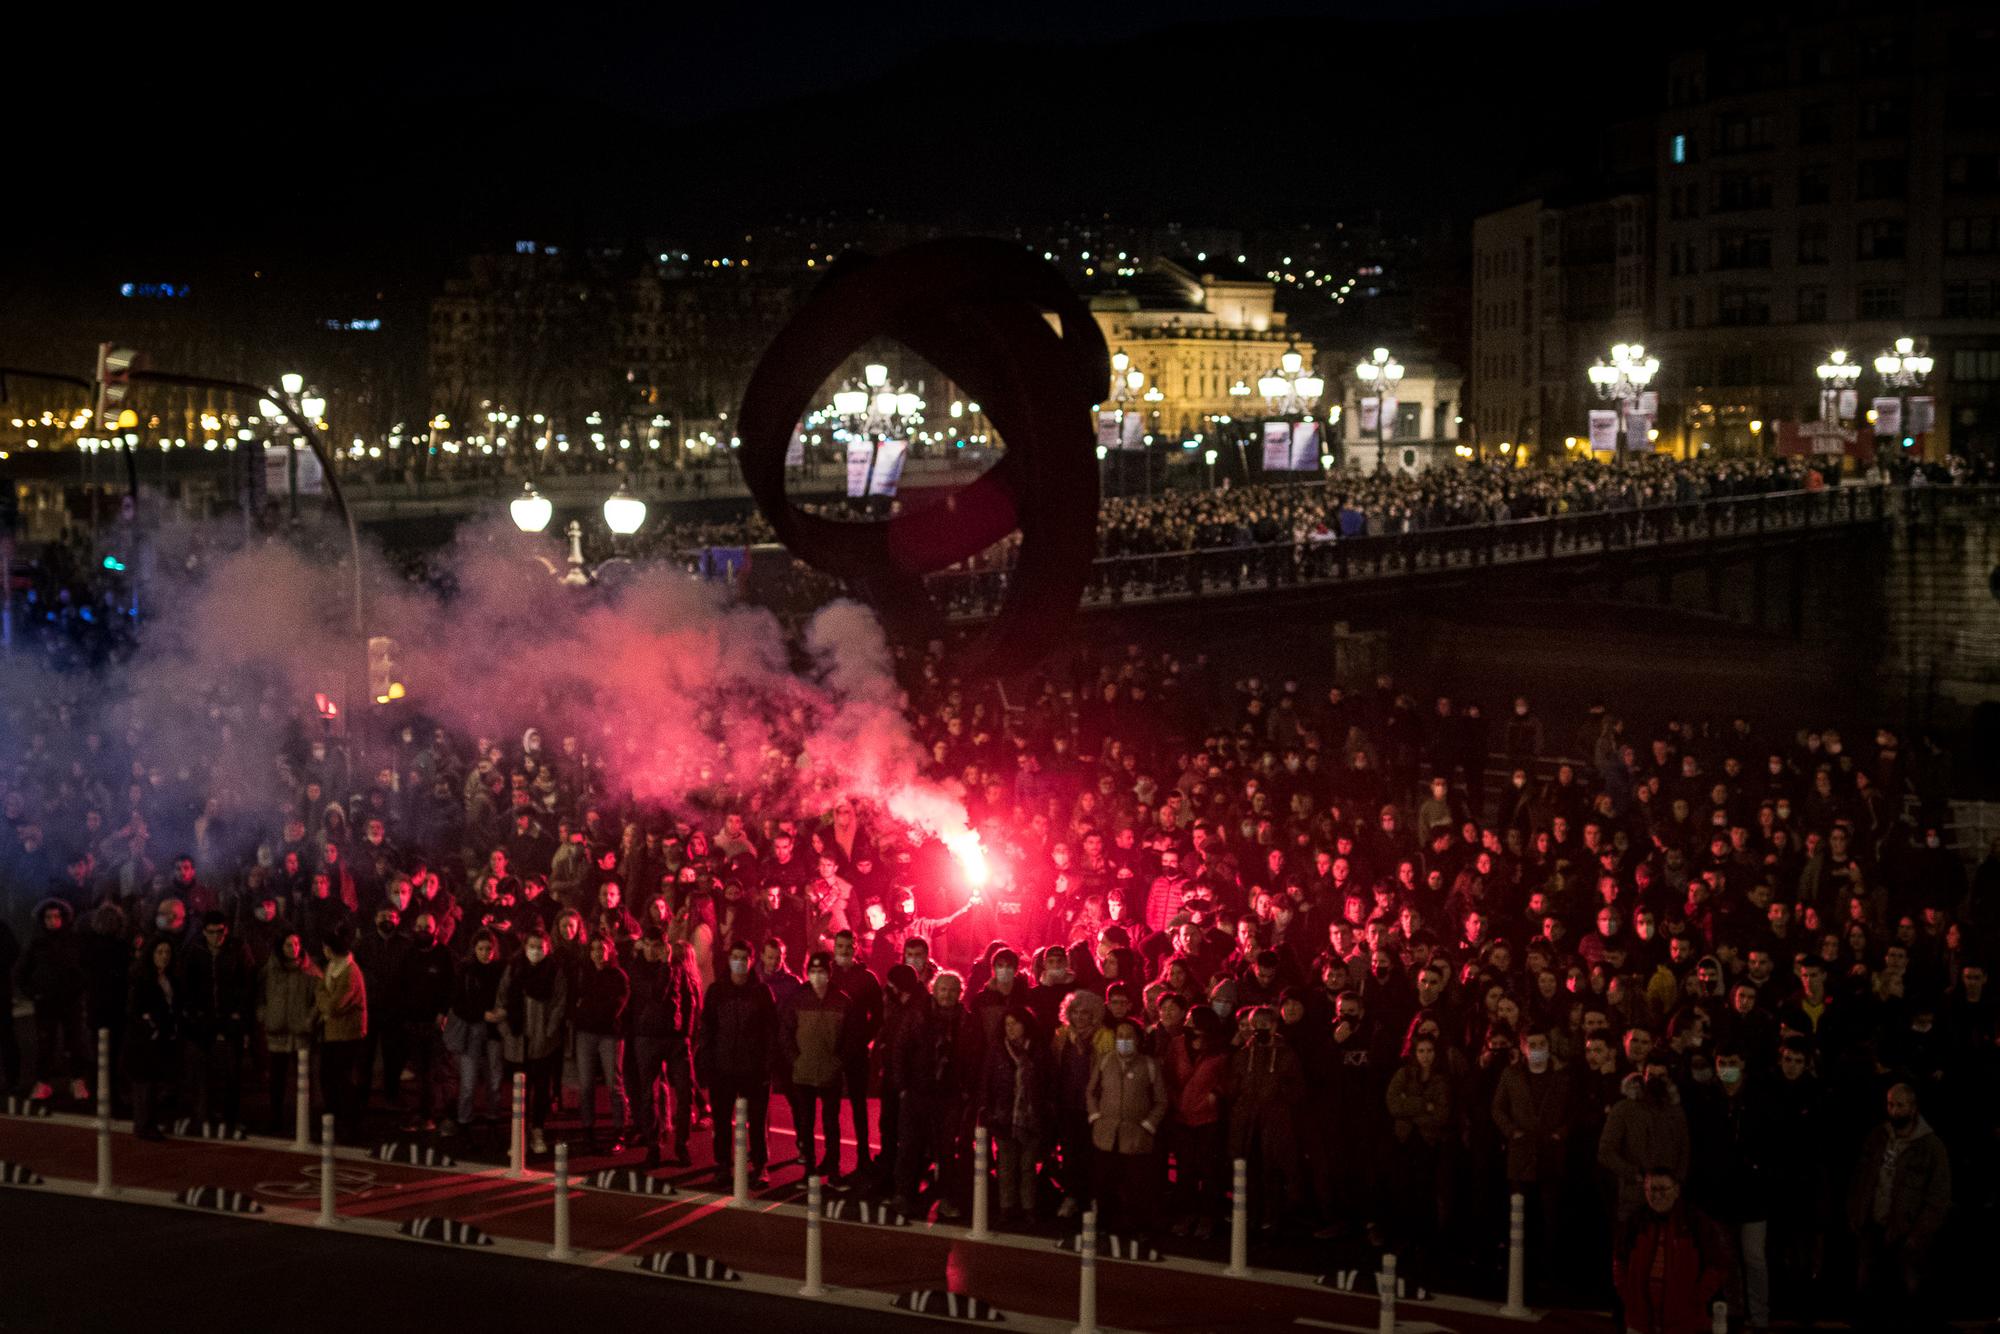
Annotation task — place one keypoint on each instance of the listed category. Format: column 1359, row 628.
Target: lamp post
column 1902, row 369
column 1380, row 372
column 876, row 412
column 624, row 515
column 1622, row 380
column 1837, row 375
column 308, row 404
column 1291, row 390
column 1126, row 382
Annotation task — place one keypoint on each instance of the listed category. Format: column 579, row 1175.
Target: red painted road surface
column 1027, row 1276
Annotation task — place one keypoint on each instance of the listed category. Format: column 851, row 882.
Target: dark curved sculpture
column 1005, row 327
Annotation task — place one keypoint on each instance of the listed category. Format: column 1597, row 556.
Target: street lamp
column 624, row 513
column 311, row 406
column 1127, row 381
column 874, row 411
column 1837, row 374
column 1382, row 373
column 1903, row 369
column 1622, row 380
column 531, row 510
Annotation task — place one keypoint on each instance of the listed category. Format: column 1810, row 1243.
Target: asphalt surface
column 74, row 1264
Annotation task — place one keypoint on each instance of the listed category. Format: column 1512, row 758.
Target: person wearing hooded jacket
column 472, row 1032
column 739, row 1033
column 534, row 1002
column 1647, row 1131
column 286, row 987
column 51, row 976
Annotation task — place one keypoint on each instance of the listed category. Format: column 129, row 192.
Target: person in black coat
column 664, row 1015
column 51, row 976
column 426, row 985
column 217, row 1004
column 739, row 1032
column 153, row 1037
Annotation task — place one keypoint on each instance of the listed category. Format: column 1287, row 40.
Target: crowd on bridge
column 1711, row 994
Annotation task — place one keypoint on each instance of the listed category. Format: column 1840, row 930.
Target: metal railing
column 1186, row 575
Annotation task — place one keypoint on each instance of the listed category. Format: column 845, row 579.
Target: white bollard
column 561, row 1250
column 981, row 1150
column 302, row 1123
column 814, row 1286
column 1385, row 1286
column 1718, row 1318
column 1086, row 1295
column 104, row 1187
column 517, row 1135
column 1517, row 1259
column 739, row 1196
column 327, row 1216
column 1239, row 1221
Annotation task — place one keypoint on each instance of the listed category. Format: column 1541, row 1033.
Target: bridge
column 1614, row 545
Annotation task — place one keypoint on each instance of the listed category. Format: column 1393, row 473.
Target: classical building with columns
column 1202, row 335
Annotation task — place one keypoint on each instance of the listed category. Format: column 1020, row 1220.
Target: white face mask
column 739, row 967
column 1127, row 1047
column 1004, row 976
column 1538, row 1061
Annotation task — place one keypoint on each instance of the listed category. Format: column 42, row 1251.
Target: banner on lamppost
column 1277, row 446
column 1107, row 429
column 1134, row 431
column 1638, row 433
column 860, row 454
column 1603, row 430
column 1923, row 414
column 312, row 477
column 795, row 453
column 888, row 470
column 1305, row 446
column 1371, row 415
column 1649, row 403
column 1389, row 407
column 1888, row 416
column 1850, row 404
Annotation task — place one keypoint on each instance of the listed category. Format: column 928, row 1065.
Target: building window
column 1973, row 172
column 1973, row 300
column 1744, row 305
column 1812, row 305
column 1747, row 133
column 1743, row 250
column 1816, row 124
column 1880, row 301
column 1880, row 178
column 1880, row 238
column 1970, row 236
column 1680, row 148
column 1882, row 116
column 1812, row 243
column 1976, row 364
column 1815, row 183
column 1743, row 190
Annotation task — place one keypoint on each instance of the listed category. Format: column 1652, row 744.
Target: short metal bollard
column 1718, row 1318
column 302, row 1120
column 517, row 1135
column 1239, row 1221
column 1086, row 1295
column 1385, row 1287
column 561, row 1250
column 739, row 1176
column 981, row 1152
column 104, row 1187
column 327, row 1216
column 814, row 1286
column 1517, row 1259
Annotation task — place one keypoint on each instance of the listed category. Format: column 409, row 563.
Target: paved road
column 155, row 1269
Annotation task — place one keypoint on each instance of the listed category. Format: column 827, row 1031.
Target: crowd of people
column 1711, row 995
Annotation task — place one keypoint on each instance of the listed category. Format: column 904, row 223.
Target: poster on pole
column 1134, row 431
column 1923, row 414
column 1638, row 438
column 860, row 454
column 889, row 456
column 1603, row 430
column 275, row 483
column 1850, row 404
column 795, row 453
column 1389, row 408
column 1305, row 446
column 1371, row 409
column 1107, row 429
column 1888, row 416
column 1277, row 446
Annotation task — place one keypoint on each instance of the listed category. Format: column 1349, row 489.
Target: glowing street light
column 1903, row 369
column 1836, row 375
column 624, row 513
column 1381, row 372
column 1622, row 380
column 531, row 510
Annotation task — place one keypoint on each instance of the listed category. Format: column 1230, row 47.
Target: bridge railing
column 1182, row 575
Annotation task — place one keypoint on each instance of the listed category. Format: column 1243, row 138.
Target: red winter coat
column 1697, row 1265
